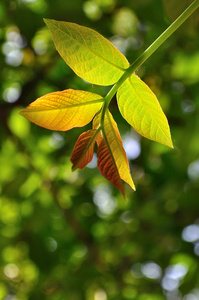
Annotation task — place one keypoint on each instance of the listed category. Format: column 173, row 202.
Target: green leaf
column 88, row 53
column 141, row 109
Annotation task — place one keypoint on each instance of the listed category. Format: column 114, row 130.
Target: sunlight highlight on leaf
column 88, row 53
column 83, row 150
column 112, row 160
column 63, row 110
column 141, row 109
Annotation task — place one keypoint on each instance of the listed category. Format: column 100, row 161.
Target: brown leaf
column 83, row 150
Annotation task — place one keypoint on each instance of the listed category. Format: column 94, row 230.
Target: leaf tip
column 132, row 185
column 46, row 20
column 122, row 191
column 172, row 146
column 21, row 112
column 170, row 143
column 123, row 194
column 74, row 168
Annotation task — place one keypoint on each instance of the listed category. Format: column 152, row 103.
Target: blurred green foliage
column 71, row 235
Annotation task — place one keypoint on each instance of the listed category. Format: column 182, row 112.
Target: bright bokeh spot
column 173, row 276
column 191, row 233
column 93, row 163
column 120, row 43
column 151, row 270
column 18, row 125
column 29, row 270
column 131, row 146
column 100, row 295
column 125, row 22
column 80, row 251
column 37, row 6
column 193, row 170
column 188, row 106
column 196, row 249
column 12, row 93
column 103, row 200
column 11, row 271
column 41, row 41
column 51, row 244
column 12, row 48
column 92, row 10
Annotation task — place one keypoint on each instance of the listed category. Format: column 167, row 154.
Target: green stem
column 107, row 100
column 149, row 51
column 163, row 37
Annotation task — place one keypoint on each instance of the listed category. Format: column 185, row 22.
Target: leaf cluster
column 93, row 58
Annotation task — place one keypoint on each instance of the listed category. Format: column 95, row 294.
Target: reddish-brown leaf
column 84, row 149
column 107, row 166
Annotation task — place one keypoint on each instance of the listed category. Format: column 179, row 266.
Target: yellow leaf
column 87, row 53
column 141, row 109
column 112, row 160
column 63, row 110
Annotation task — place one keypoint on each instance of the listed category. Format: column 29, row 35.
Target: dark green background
column 71, row 235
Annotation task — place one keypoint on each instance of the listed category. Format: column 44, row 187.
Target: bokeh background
column 66, row 235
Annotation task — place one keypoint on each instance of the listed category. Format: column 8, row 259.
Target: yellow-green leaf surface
column 83, row 150
column 88, row 53
column 63, row 110
column 141, row 109
column 112, row 160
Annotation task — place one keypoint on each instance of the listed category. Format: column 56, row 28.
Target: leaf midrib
column 110, row 151
column 32, row 109
column 107, row 142
column 120, row 148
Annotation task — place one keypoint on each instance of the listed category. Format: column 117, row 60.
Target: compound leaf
column 87, row 53
column 112, row 160
column 83, row 149
column 63, row 110
column 141, row 109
